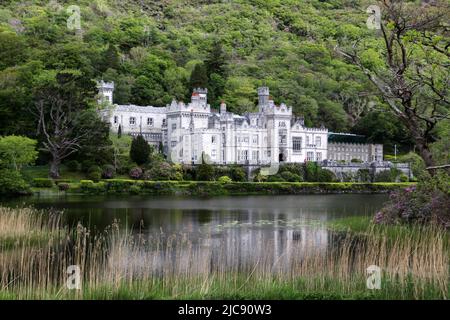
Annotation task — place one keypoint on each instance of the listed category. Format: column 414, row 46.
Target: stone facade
column 188, row 131
column 344, row 147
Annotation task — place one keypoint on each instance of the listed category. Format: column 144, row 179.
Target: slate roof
column 346, row 138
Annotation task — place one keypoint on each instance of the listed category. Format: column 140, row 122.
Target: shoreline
column 214, row 188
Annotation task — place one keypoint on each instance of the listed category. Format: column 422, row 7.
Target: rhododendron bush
column 428, row 202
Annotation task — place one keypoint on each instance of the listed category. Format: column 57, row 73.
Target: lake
column 237, row 230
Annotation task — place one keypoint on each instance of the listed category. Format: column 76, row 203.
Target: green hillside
column 150, row 49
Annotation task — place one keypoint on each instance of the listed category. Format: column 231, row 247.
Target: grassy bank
column 117, row 265
column 214, row 188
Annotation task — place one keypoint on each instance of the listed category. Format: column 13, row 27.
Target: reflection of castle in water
column 201, row 239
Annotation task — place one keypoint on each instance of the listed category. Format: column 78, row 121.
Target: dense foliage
column 427, row 203
column 157, row 51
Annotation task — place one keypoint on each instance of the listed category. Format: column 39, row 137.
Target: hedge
column 212, row 188
column 42, row 183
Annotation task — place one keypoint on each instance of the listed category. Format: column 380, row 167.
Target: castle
column 190, row 131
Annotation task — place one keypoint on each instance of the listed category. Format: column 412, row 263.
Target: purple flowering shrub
column 428, row 202
column 135, row 173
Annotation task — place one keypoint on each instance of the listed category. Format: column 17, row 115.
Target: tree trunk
column 54, row 168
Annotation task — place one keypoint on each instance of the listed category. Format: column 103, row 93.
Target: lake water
column 239, row 229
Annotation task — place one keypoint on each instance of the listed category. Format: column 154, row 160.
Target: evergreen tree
column 216, row 64
column 199, row 77
column 119, row 132
column 110, row 59
column 140, row 150
column 205, row 171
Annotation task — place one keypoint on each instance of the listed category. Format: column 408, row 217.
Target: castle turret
column 223, row 108
column 263, row 96
column 200, row 96
column 105, row 92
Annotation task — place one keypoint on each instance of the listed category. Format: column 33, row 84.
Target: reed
column 120, row 264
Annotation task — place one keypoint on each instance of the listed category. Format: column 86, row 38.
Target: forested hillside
column 157, row 51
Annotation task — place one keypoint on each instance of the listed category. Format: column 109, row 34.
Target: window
column 132, row 121
column 213, row 139
column 282, row 124
column 164, row 122
column 245, row 155
column 319, row 156
column 318, row 142
column 310, row 156
column 173, row 144
column 214, row 153
column 174, row 126
column 150, row 121
column 255, row 140
column 116, row 119
column 297, row 144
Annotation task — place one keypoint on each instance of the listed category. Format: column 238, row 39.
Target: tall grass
column 121, row 264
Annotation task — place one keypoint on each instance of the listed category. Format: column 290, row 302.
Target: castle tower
column 105, row 92
column 263, row 96
column 223, row 108
column 200, row 97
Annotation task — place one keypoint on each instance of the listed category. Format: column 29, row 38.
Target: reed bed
column 119, row 264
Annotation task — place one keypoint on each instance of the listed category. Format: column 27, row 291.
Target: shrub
column 43, row 183
column 354, row 160
column 95, row 175
column 225, row 179
column 325, row 175
column 86, row 165
column 289, row 176
column 311, row 170
column 88, row 186
column 387, row 175
column 426, row 203
column 12, row 183
column 237, row 173
column 135, row 173
column 73, row 165
column 94, row 168
column 135, row 189
column 205, row 172
column 161, row 171
column 403, row 178
column 63, row 186
column 108, row 171
column 58, row 181
column 275, row 178
column 295, row 168
column 363, row 175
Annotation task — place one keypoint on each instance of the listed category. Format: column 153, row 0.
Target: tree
column 216, row 70
column 119, row 132
column 412, row 72
column 96, row 145
column 17, row 151
column 205, row 171
column 140, row 150
column 199, row 77
column 59, row 102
